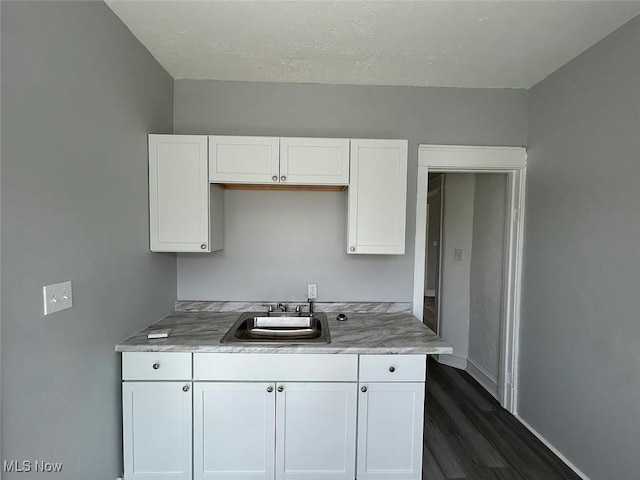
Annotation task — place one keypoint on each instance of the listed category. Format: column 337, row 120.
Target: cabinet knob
column 203, row 246
column 281, row 388
column 363, row 389
column 156, row 366
column 392, row 369
column 274, row 178
column 283, row 178
column 352, row 249
column 185, row 388
column 269, row 389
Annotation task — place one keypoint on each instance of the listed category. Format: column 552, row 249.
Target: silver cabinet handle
column 363, row 389
column 392, row 369
column 269, row 389
column 352, row 249
column 274, row 178
column 156, row 366
column 185, row 388
column 203, row 246
column 281, row 388
column 283, row 178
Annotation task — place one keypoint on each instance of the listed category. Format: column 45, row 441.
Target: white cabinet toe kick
column 272, row 416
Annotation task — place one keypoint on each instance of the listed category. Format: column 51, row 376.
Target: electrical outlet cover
column 312, row 291
column 57, row 297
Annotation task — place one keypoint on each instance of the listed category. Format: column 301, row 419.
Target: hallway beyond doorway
column 430, row 313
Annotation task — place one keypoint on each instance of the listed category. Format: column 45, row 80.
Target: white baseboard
column 453, row 361
column 429, row 293
column 552, row 448
column 483, row 377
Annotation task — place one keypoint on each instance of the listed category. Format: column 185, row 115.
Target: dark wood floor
column 468, row 435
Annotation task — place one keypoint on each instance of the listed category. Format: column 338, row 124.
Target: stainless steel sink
column 278, row 328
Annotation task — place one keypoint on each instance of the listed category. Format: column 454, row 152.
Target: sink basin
column 278, row 328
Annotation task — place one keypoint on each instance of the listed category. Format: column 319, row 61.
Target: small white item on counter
column 159, row 333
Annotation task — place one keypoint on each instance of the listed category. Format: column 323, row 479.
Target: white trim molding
column 483, row 377
column 482, row 159
column 452, row 157
column 552, row 448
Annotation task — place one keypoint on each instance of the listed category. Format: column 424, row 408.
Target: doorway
column 466, row 159
column 435, row 206
column 469, row 262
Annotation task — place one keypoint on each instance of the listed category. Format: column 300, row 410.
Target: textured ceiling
column 504, row 44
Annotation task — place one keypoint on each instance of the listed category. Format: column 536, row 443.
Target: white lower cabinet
column 227, row 420
column 157, row 430
column 233, row 430
column 390, row 428
column 266, row 431
column 316, row 431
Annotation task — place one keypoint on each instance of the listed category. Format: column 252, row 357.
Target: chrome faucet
column 282, row 307
column 269, row 307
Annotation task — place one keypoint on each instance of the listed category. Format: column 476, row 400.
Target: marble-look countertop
column 373, row 333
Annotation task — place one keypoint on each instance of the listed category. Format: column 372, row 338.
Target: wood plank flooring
column 468, row 435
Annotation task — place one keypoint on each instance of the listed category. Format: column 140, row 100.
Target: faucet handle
column 269, row 307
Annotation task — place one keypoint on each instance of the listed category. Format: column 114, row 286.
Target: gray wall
column 79, row 96
column 457, row 233
column 261, row 260
column 580, row 360
column 487, row 260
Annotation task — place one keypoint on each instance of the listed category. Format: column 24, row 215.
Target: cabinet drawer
column 275, row 367
column 156, row 366
column 393, row 368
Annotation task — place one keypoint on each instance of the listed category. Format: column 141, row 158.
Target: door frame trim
column 482, row 159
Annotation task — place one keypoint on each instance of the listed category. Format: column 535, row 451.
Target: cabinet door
column 316, row 431
column 178, row 193
column 390, row 429
column 243, row 159
column 234, row 429
column 314, row 161
column 377, row 197
column 157, row 430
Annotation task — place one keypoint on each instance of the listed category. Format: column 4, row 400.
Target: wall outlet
column 457, row 255
column 312, row 291
column 57, row 297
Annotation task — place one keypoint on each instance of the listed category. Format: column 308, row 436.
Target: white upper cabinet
column 180, row 197
column 269, row 160
column 314, row 161
column 377, row 197
column 243, row 159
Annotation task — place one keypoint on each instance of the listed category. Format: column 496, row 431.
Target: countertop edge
column 287, row 349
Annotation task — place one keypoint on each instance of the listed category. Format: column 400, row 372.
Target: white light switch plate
column 57, row 297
